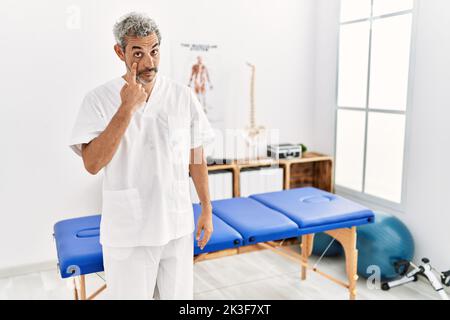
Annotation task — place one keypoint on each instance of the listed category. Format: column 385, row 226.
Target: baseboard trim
column 28, row 268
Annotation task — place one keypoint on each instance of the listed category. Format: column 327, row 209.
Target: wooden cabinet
column 312, row 170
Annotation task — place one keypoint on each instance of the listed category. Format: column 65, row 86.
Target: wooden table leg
column 97, row 292
column 347, row 238
column 75, row 290
column 83, row 287
column 306, row 250
column 351, row 262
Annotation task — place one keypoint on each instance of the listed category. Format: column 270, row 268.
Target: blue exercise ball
column 322, row 241
column 381, row 244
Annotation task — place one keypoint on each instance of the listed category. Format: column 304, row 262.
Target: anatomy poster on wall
column 198, row 66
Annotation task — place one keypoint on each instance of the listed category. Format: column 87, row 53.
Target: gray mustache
column 149, row 70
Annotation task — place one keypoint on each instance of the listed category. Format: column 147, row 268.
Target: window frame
column 362, row 196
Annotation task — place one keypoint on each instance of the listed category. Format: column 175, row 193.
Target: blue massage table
column 240, row 225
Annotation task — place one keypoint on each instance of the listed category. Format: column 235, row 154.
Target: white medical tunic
column 146, row 198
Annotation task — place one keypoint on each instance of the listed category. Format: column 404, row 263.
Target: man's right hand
column 133, row 94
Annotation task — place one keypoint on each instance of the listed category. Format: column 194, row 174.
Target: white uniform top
column 146, row 198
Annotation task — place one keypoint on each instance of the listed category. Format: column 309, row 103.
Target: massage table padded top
column 254, row 221
column 237, row 221
column 310, row 207
column 78, row 247
column 80, row 252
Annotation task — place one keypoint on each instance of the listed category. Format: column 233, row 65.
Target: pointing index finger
column 131, row 77
column 134, row 71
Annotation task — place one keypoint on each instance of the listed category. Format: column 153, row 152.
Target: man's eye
column 155, row 52
column 138, row 55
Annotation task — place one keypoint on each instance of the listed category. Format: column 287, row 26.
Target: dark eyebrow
column 139, row 48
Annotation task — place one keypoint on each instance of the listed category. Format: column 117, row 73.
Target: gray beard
column 143, row 82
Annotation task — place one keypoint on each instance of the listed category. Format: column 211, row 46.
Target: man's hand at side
column 204, row 224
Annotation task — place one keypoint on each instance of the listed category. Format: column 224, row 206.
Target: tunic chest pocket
column 157, row 129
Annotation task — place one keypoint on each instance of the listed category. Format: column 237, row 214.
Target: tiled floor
column 255, row 275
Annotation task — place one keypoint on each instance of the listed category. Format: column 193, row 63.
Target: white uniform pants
column 132, row 273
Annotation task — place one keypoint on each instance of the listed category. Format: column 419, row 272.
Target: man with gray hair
column 147, row 132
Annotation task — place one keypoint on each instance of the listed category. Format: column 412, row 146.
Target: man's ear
column 119, row 52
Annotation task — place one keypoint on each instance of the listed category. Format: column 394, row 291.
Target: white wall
column 326, row 48
column 428, row 193
column 48, row 64
column 427, row 212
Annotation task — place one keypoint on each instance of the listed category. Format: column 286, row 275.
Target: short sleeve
column 89, row 124
column 201, row 132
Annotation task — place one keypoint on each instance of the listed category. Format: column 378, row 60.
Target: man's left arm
column 199, row 173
